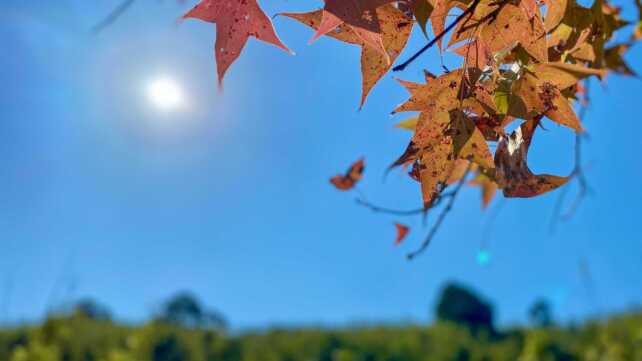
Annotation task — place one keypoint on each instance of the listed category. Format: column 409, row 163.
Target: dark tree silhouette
column 460, row 305
column 185, row 310
column 92, row 309
column 541, row 314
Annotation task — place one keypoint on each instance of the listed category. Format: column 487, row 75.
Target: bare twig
column 452, row 196
column 396, row 212
column 490, row 222
column 113, row 16
column 578, row 173
column 557, row 209
column 439, row 36
column 401, row 212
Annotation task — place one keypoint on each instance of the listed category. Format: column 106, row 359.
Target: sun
column 165, row 94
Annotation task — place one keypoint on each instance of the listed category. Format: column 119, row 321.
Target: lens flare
column 483, row 257
column 165, row 94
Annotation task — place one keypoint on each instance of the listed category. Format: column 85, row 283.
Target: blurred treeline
column 182, row 330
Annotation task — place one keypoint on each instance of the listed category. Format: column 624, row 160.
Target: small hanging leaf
column 402, row 233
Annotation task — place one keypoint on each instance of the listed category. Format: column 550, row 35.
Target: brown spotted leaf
column 441, row 9
column 564, row 75
column 511, row 26
column 530, row 7
column 470, row 27
column 476, row 54
column 360, row 15
column 421, row 9
column 440, row 141
column 538, row 96
column 441, row 94
column 462, row 166
column 556, row 9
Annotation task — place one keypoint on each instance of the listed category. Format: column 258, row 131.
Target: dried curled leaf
column 348, row 180
column 513, row 175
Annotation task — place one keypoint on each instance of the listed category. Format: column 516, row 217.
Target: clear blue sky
column 102, row 195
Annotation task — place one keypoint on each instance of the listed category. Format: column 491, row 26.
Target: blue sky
column 104, row 196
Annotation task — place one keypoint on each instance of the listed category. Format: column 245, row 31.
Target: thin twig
column 401, row 212
column 439, row 36
column 397, row 212
column 557, row 210
column 581, row 179
column 113, row 16
column 452, row 197
column 490, row 222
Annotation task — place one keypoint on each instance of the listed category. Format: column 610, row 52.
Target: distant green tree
column 461, row 305
column 185, row 310
column 541, row 314
column 92, row 309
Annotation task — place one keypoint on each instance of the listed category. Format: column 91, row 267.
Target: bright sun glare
column 166, row 94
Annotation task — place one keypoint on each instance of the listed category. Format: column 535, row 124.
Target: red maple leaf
column 236, row 21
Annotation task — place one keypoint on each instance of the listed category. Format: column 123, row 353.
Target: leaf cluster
column 521, row 61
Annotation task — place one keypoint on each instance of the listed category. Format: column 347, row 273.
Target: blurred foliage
column 184, row 331
column 79, row 338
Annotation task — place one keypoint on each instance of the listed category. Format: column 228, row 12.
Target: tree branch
column 396, row 212
column 439, row 36
column 113, row 16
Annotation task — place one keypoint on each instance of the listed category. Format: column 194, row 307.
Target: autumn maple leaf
column 236, row 21
column 360, row 15
column 395, row 28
